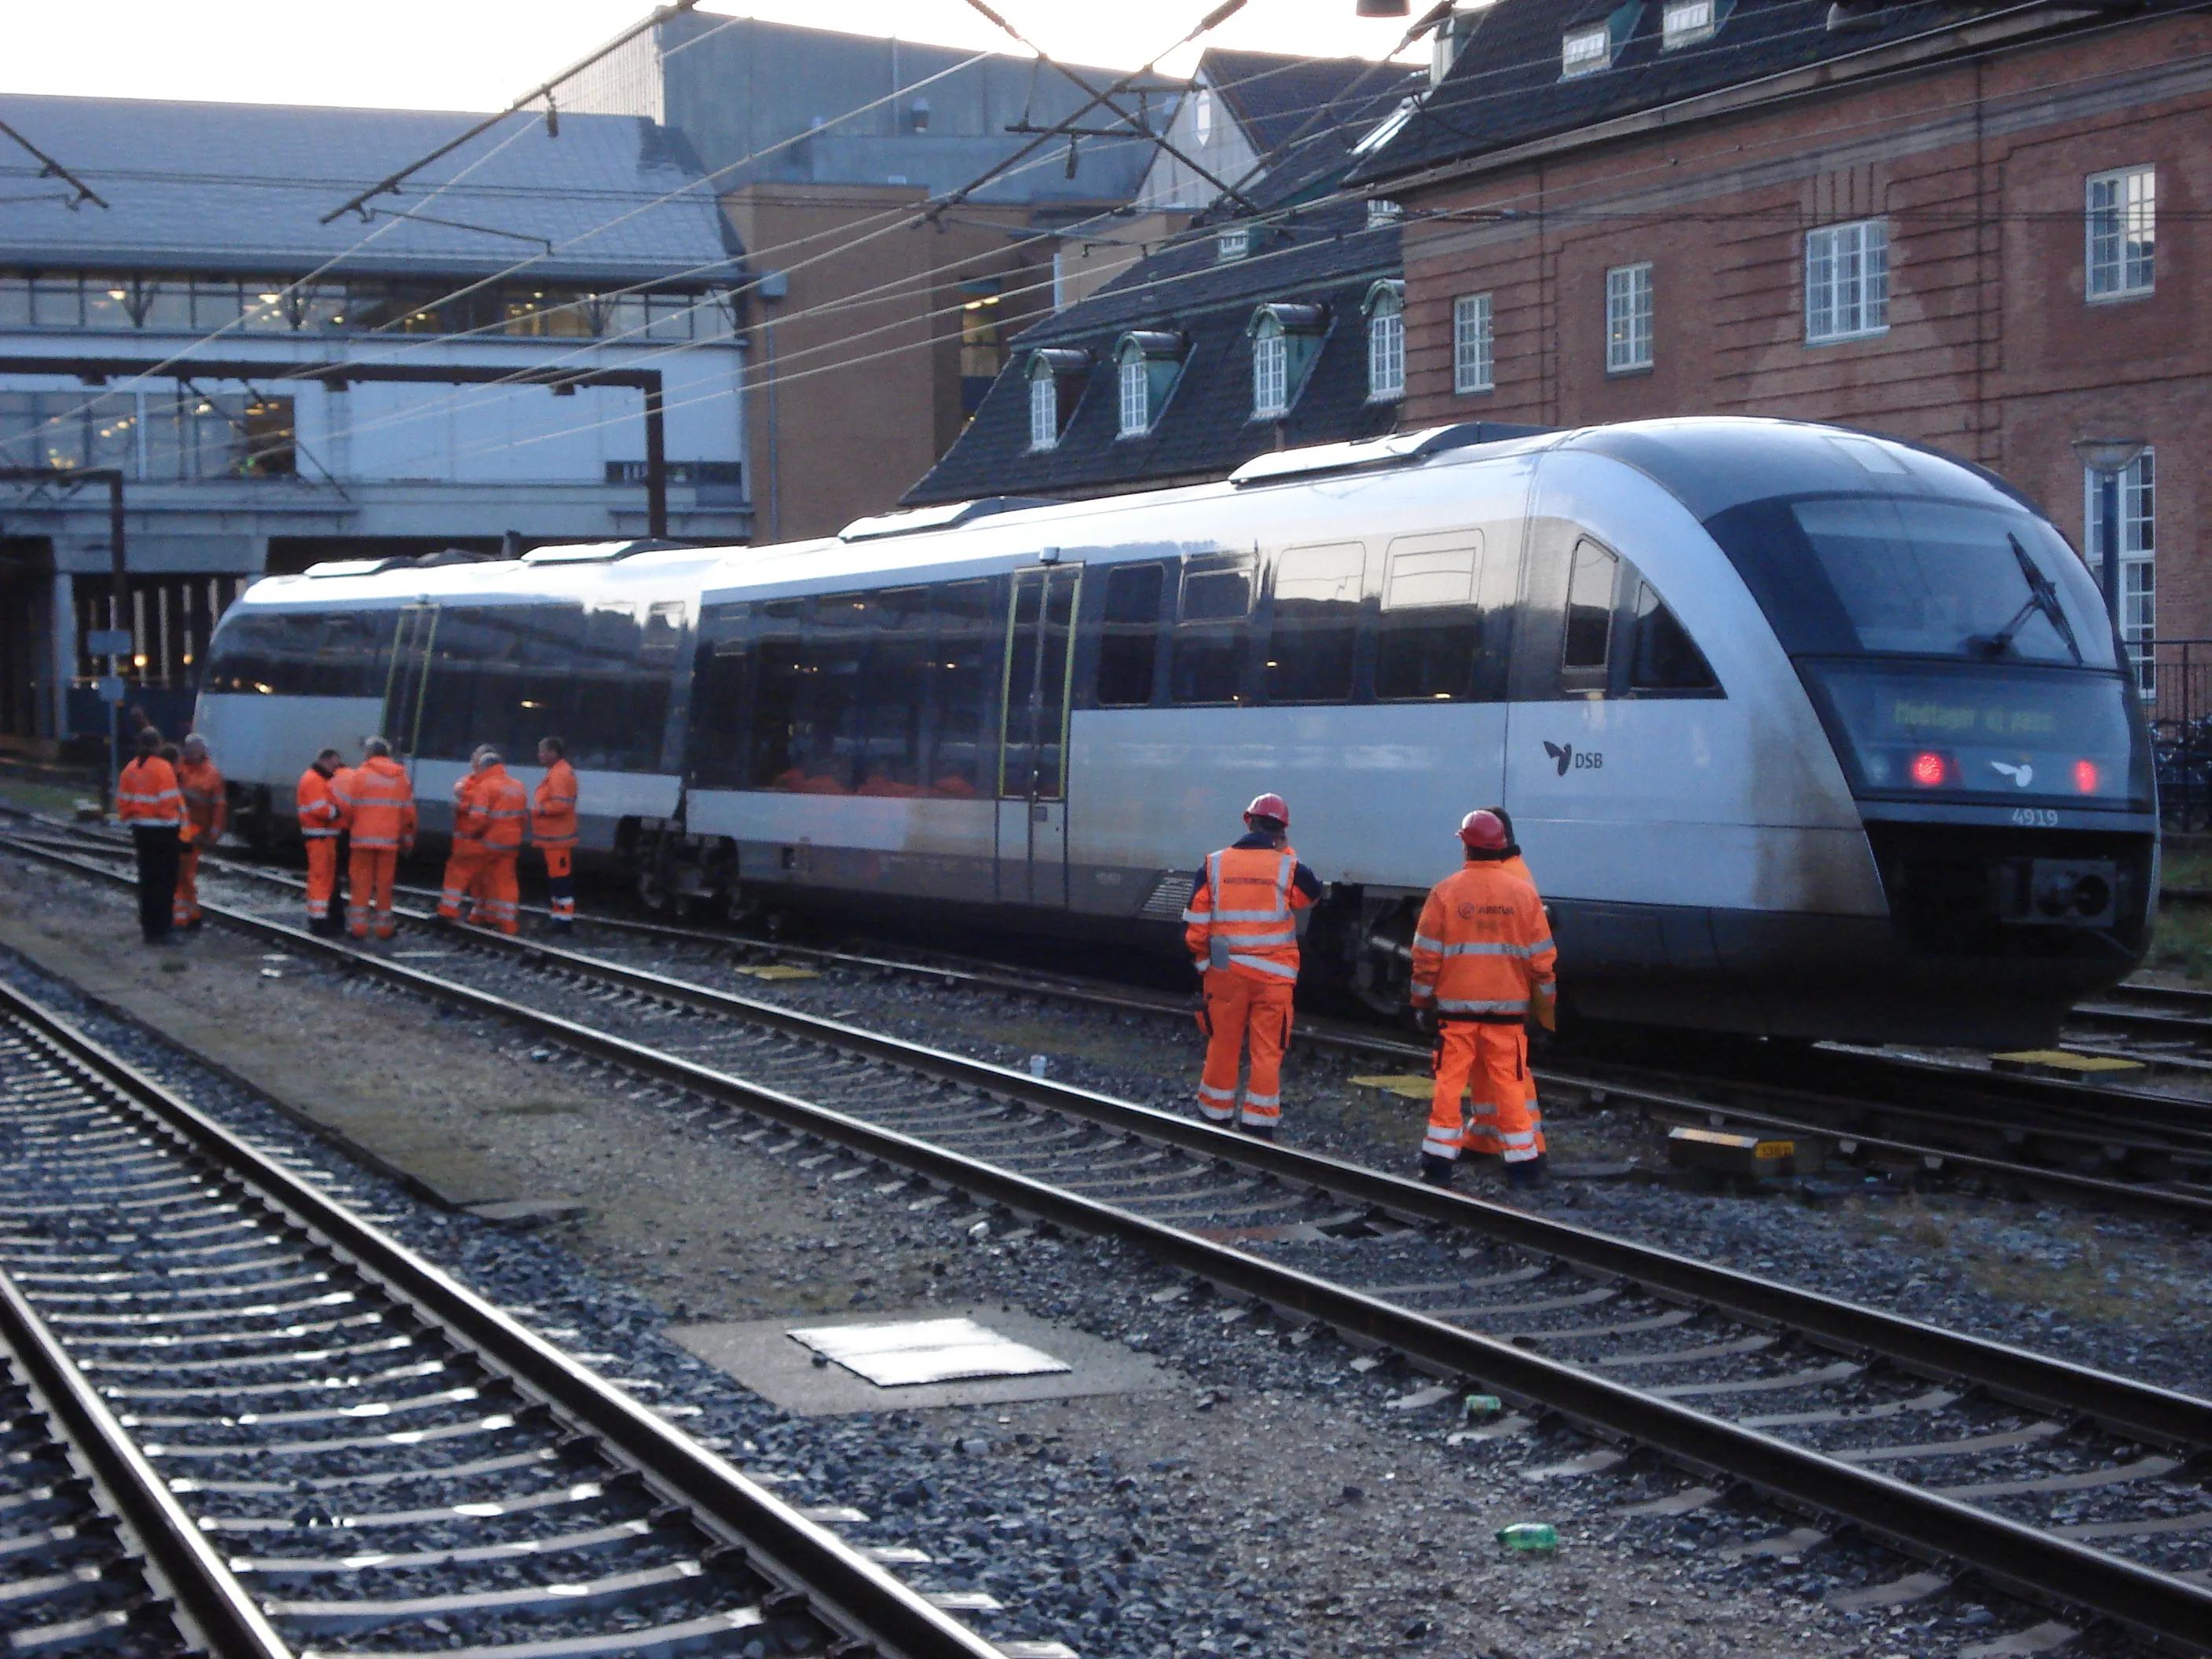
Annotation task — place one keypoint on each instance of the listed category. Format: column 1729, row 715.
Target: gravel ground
column 1283, row 1501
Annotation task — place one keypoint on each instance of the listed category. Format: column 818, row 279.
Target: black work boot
column 1259, row 1131
column 1527, row 1175
column 1438, row 1171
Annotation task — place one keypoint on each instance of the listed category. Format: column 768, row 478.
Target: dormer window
column 1057, row 375
column 1385, row 308
column 1232, row 243
column 1146, row 364
column 1685, row 22
column 1586, row 50
column 1286, row 339
column 1381, row 211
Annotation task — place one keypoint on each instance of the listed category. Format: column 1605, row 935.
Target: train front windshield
column 1954, row 650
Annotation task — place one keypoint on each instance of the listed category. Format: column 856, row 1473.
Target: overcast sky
column 483, row 54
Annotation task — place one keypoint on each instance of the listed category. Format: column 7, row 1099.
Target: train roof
column 1708, row 463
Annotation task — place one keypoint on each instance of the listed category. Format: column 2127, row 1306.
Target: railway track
column 2069, row 1487
column 321, row 1442
column 1914, row 1120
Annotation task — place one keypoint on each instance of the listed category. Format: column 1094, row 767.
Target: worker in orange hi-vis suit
column 207, row 815
column 1243, row 940
column 1483, row 962
column 379, row 809
column 502, row 809
column 339, row 779
column 148, row 799
column 1483, row 1135
column 319, row 813
column 465, row 862
column 553, row 828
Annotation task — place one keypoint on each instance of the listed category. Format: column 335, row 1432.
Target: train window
column 1430, row 636
column 718, row 699
column 961, row 703
column 902, row 607
column 1315, row 637
column 1036, row 683
column 1129, row 645
column 1587, row 644
column 888, row 746
column 1208, row 661
column 664, row 633
column 1665, row 658
column 1210, row 595
column 966, row 607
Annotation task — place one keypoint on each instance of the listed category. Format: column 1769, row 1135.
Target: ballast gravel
column 1283, row 1502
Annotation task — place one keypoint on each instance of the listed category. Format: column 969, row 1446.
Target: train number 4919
column 2035, row 818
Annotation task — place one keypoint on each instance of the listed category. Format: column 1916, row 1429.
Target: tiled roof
column 1506, row 88
column 241, row 187
column 1324, row 255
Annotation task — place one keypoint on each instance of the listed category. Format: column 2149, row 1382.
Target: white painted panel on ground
column 925, row 1351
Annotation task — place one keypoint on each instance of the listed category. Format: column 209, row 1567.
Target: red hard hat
column 1270, row 806
column 1483, row 829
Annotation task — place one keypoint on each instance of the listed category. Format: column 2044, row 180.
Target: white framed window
column 1846, row 281
column 1271, row 371
column 1586, row 50
column 1471, row 343
column 2138, row 556
column 1136, row 396
column 1628, row 317
column 1380, row 211
column 1685, row 22
column 2122, row 233
column 1044, row 411
column 1386, row 341
column 1232, row 243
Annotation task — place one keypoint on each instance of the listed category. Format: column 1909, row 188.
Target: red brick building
column 1976, row 226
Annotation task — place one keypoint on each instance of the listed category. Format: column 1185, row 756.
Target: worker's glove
column 1546, row 1010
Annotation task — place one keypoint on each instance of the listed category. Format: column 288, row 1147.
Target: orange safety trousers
column 322, row 876
column 1494, row 1058
column 368, row 890
column 497, row 897
column 561, row 881
column 184, row 908
column 1237, row 1008
column 464, row 876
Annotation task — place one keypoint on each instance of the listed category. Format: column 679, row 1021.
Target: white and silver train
column 1805, row 732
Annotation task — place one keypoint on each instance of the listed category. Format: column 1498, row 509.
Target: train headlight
column 2085, row 776
column 1928, row 769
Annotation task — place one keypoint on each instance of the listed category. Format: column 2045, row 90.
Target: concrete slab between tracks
column 763, row 1355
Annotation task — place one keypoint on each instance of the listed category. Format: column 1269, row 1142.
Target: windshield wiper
column 2042, row 596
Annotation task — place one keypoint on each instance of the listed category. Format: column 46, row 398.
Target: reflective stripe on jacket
column 553, row 809
column 468, row 820
column 1483, row 947
column 319, row 810
column 147, row 794
column 379, row 803
column 502, row 808
column 1244, row 900
column 205, row 806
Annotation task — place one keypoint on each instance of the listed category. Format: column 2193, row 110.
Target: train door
column 407, row 681
column 1032, row 823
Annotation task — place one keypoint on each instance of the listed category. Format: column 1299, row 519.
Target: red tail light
column 1928, row 769
column 2085, row 776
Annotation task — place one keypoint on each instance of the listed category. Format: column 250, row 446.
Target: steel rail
column 2036, row 1566
column 2137, row 1197
column 212, row 1607
column 847, row 1591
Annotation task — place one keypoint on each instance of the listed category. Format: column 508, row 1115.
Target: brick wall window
column 1472, row 343
column 1386, row 341
column 2138, row 541
column 2123, row 232
column 1846, row 282
column 1628, row 318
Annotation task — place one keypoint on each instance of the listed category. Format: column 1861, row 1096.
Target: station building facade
column 1971, row 225
column 139, row 302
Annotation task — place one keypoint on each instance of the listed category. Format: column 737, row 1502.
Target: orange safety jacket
column 147, row 794
column 553, row 808
column 319, row 805
column 503, row 807
column 1240, row 917
column 1482, row 949
column 207, row 811
column 379, row 805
